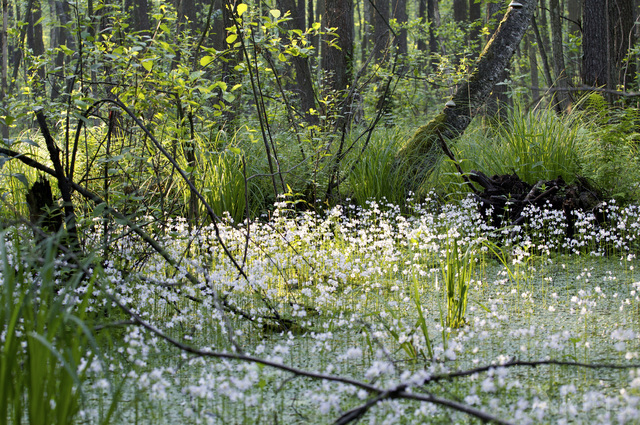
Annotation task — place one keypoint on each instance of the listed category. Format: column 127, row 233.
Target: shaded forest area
column 311, row 100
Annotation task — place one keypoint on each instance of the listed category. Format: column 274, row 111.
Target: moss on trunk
column 417, row 158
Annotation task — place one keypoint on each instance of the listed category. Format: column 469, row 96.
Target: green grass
column 47, row 345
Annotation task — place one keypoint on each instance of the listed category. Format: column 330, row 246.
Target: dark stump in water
column 43, row 213
column 505, row 197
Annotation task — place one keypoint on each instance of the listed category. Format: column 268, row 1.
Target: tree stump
column 43, row 213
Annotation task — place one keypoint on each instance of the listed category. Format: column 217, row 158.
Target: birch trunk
column 418, row 157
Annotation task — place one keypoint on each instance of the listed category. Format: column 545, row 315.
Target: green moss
column 420, row 154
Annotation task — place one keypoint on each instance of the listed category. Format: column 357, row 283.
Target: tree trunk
column 559, row 69
column 399, row 13
column 461, row 19
column 460, row 11
column 498, row 99
column 62, row 37
column 417, row 158
column 620, row 40
column 381, row 34
column 533, row 68
column 138, row 14
column 304, row 83
column 595, row 71
column 433, row 15
column 475, row 15
column 5, row 65
column 337, row 62
column 34, row 34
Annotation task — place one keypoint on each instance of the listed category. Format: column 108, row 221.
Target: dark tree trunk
column 138, row 11
column 433, row 15
column 422, row 14
column 595, row 71
column 559, row 69
column 304, row 83
column 574, row 12
column 34, row 33
column 187, row 15
column 43, row 213
column 61, row 37
column 498, row 99
column 475, row 15
column 417, row 158
column 337, row 62
column 533, row 67
column 381, row 34
column 620, row 40
column 399, row 13
column 5, row 64
column 460, row 14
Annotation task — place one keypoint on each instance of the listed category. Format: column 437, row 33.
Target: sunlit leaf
column 241, row 8
column 206, row 60
column 148, row 64
column 275, row 13
column 231, row 38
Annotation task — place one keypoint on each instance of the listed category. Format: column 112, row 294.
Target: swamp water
column 364, row 289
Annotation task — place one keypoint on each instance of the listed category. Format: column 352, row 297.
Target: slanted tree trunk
column 418, row 157
column 498, row 99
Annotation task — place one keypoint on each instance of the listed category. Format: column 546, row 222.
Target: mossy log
column 418, row 157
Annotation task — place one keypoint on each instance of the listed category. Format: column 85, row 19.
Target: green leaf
column 275, row 13
column 231, row 38
column 99, row 209
column 67, row 51
column 147, row 64
column 241, row 8
column 236, row 151
column 282, row 57
column 206, row 60
column 22, row 178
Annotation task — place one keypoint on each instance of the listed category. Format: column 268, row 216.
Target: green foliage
column 610, row 155
column 373, row 175
column 46, row 345
column 536, row 145
column 457, row 271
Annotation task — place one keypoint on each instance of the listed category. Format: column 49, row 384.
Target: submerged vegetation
column 432, row 316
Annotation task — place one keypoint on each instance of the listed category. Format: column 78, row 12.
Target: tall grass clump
column 46, row 347
column 536, row 145
column 458, row 270
column 373, row 175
